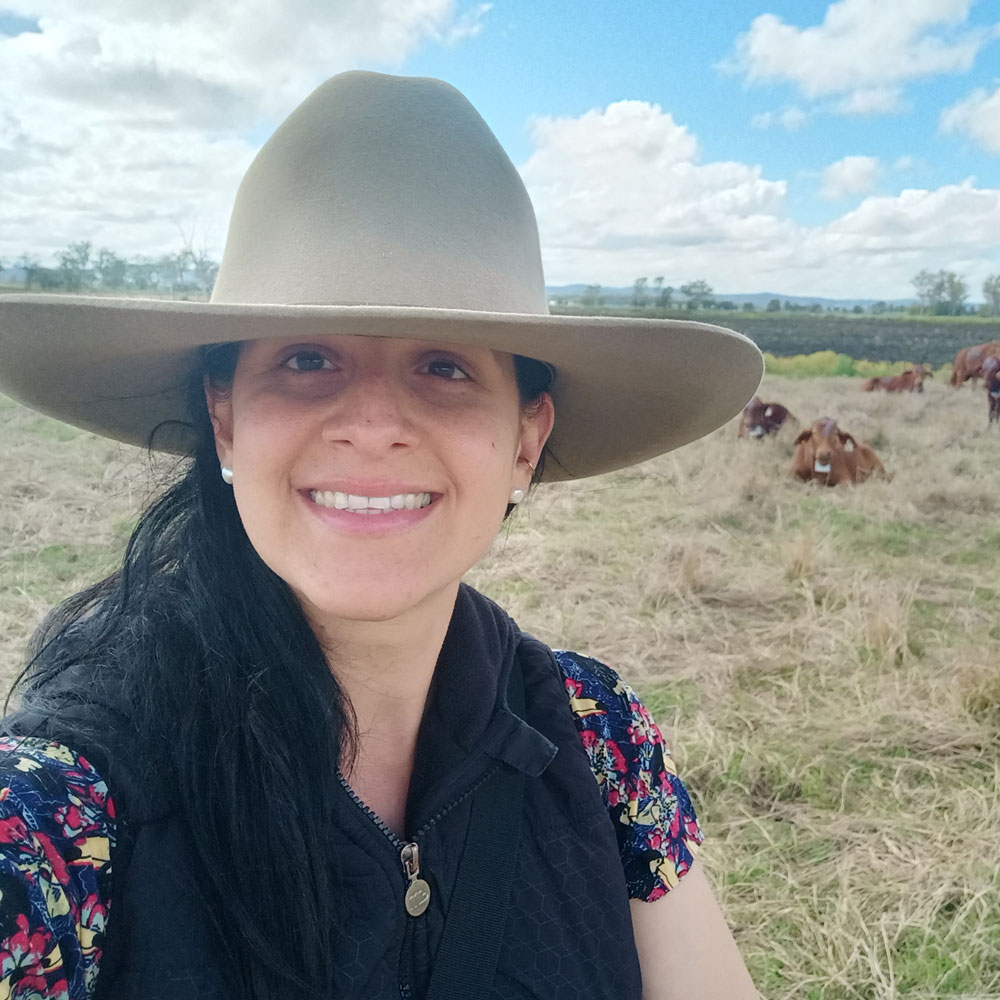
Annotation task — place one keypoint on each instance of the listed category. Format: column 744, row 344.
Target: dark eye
column 445, row 368
column 307, row 361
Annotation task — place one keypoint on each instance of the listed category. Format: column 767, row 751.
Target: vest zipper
column 417, row 895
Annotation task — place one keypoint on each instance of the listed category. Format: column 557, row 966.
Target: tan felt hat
column 383, row 206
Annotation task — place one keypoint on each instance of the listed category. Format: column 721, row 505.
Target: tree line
column 79, row 268
column 940, row 293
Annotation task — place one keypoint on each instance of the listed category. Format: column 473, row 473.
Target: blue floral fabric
column 657, row 829
column 57, row 827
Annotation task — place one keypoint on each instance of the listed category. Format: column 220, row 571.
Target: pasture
column 824, row 663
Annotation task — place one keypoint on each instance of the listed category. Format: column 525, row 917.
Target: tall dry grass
column 825, row 663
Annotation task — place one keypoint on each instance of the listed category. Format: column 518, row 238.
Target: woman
column 284, row 751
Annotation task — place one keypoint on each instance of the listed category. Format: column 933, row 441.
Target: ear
column 804, row 436
column 847, row 441
column 537, row 420
column 220, row 412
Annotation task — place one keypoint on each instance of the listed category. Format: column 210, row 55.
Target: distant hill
column 612, row 293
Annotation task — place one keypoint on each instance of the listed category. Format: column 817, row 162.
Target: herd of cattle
column 830, row 456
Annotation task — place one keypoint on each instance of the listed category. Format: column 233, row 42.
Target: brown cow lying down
column 829, row 456
column 761, row 419
column 969, row 362
column 912, row 380
column 991, row 376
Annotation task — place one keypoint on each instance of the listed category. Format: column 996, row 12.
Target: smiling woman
column 284, row 750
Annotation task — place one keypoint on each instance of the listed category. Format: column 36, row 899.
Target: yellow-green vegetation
column 832, row 363
column 824, row 663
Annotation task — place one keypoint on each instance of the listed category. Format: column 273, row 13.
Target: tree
column 991, row 292
column 942, row 293
column 73, row 263
column 879, row 307
column 925, row 284
column 592, row 296
column 639, row 292
column 658, row 287
column 30, row 264
column 955, row 292
column 664, row 299
column 749, row 307
column 110, row 268
column 206, row 270
column 774, row 305
column 698, row 293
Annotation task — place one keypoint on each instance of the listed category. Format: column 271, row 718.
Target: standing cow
column 969, row 362
column 760, row 419
column 991, row 376
column 830, row 456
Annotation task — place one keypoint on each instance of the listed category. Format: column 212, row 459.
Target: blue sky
column 805, row 148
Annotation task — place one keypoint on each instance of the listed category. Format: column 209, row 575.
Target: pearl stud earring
column 516, row 496
column 227, row 475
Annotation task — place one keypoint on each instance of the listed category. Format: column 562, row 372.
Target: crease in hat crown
column 381, row 190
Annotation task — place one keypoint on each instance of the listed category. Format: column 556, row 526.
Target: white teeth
column 369, row 505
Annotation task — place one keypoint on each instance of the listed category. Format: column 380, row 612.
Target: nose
column 370, row 414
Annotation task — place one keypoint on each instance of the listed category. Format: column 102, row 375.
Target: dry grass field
column 825, row 663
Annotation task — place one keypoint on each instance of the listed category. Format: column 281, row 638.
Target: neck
column 385, row 669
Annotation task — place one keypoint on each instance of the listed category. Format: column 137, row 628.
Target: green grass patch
column 678, row 697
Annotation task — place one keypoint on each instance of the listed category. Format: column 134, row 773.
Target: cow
column 830, row 456
column 760, row 419
column 912, row 380
column 969, row 362
column 991, row 377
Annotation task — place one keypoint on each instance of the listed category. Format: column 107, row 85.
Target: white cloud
column 976, row 116
column 863, row 51
column 848, row 176
column 870, row 101
column 120, row 121
column 621, row 192
column 790, row 118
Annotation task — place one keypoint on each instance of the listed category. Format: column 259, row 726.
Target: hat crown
column 384, row 190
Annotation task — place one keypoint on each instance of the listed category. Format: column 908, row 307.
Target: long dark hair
column 232, row 710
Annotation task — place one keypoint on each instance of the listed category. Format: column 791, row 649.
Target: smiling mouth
column 369, row 505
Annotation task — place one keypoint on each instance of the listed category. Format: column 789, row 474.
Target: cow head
column 826, row 448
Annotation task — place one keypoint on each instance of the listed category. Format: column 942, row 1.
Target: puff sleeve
column 654, row 819
column 56, row 834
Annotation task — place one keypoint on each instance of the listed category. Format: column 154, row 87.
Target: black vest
column 568, row 932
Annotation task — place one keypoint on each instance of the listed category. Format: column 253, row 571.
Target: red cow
column 991, row 376
column 969, row 362
column 912, row 380
column 761, row 419
column 830, row 456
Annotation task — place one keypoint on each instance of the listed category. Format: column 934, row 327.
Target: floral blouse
column 57, row 833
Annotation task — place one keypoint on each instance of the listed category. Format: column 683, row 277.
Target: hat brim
column 625, row 389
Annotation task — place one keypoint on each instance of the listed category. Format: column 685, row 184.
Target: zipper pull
column 418, row 892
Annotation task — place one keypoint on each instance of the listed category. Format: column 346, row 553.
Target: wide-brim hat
column 382, row 207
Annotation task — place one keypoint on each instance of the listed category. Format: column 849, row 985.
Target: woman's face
column 372, row 473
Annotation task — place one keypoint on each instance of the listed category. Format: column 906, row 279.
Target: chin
column 366, row 604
